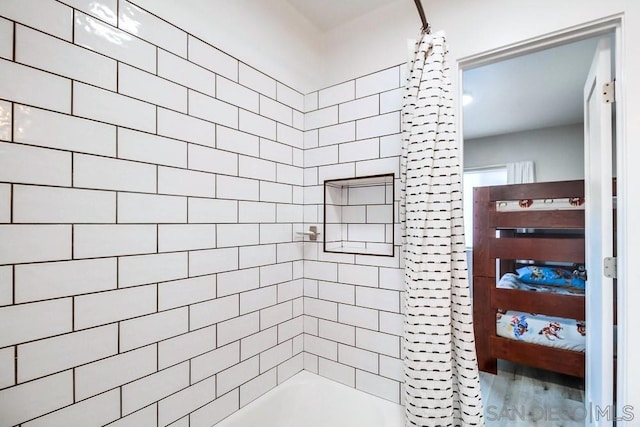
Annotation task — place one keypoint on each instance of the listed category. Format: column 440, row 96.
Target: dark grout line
column 73, row 226
column 117, row 14
column 71, row 109
column 15, row 366
column 13, row 51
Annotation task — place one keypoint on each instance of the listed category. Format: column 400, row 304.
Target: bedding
column 568, row 334
column 513, row 281
column 543, row 275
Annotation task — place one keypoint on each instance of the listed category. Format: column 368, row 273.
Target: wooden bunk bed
column 509, row 236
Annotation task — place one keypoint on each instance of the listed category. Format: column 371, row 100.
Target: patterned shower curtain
column 442, row 386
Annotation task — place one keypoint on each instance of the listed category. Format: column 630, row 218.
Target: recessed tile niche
column 358, row 215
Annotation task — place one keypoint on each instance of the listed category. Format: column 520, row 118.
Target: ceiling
column 328, row 14
column 533, row 91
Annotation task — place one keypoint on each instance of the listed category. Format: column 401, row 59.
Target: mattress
column 511, row 281
column 568, row 334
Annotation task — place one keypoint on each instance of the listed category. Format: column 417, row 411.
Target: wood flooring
column 524, row 396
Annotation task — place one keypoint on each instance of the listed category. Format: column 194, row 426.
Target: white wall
column 378, row 40
column 369, row 43
column 558, row 152
column 150, row 189
column 270, row 35
column 475, row 27
column 353, row 321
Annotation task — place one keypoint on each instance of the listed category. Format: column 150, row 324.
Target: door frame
column 613, row 24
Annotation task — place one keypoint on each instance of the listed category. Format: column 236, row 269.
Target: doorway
column 526, row 105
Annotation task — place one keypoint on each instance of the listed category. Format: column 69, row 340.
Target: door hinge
column 610, row 267
column 609, row 92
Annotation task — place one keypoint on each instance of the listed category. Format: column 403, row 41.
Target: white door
column 599, row 240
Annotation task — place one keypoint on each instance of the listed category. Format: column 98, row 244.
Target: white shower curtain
column 442, row 386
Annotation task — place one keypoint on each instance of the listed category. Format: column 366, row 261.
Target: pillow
column 535, row 275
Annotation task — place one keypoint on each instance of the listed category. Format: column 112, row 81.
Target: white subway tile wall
column 150, row 190
column 150, row 270
column 352, row 304
column 213, row 59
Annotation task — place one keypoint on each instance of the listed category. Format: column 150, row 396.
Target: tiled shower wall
column 352, row 303
column 150, row 191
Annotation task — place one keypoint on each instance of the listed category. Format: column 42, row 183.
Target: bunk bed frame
column 512, row 245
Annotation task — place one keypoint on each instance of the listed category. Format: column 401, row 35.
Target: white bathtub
column 309, row 400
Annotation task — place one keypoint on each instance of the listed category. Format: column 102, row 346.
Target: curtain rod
column 426, row 28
